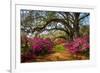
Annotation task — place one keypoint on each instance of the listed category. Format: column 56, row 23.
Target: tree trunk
column 76, row 25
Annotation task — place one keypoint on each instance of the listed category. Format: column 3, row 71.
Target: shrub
column 79, row 44
column 28, row 57
column 41, row 46
column 25, row 43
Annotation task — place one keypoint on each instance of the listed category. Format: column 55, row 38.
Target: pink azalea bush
column 41, row 46
column 79, row 44
column 36, row 47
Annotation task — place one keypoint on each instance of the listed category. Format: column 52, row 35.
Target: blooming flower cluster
column 79, row 44
column 41, row 46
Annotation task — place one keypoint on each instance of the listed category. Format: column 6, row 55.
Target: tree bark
column 76, row 25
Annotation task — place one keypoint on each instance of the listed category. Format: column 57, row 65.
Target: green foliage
column 59, row 48
column 84, row 30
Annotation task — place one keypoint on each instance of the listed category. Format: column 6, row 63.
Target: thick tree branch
column 53, row 20
column 65, row 17
column 61, row 29
column 84, row 16
column 62, row 14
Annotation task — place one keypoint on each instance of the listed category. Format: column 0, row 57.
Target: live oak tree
column 36, row 22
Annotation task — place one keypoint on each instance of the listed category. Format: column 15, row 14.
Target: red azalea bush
column 79, row 44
